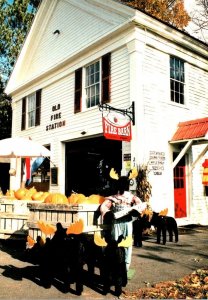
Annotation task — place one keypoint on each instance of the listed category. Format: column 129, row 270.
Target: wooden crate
column 14, row 215
column 66, row 214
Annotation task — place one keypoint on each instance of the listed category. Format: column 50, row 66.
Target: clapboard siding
column 84, row 28
column 155, row 89
column 120, row 78
column 198, row 92
column 199, row 207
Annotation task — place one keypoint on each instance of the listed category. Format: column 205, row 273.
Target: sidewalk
column 151, row 264
column 155, row 263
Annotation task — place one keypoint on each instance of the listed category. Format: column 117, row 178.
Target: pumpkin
column 56, row 198
column 44, row 196
column 20, row 193
column 76, row 227
column 76, row 198
column 26, row 197
column 31, row 191
column 37, row 195
column 95, row 199
column 10, row 195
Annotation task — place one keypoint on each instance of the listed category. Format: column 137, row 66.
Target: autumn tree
column 169, row 11
column 199, row 18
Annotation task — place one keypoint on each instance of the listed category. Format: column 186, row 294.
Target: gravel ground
column 151, row 264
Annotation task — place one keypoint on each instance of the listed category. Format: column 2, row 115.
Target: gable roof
column 190, row 130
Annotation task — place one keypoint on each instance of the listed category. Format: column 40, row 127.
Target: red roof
column 191, row 130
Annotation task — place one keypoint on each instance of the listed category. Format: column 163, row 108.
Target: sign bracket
column 130, row 112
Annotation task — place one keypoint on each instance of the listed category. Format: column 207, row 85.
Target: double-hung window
column 177, row 80
column 31, row 109
column 92, row 87
column 92, row 84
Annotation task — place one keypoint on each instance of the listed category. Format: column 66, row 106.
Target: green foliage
column 16, row 17
column 15, row 20
column 5, row 114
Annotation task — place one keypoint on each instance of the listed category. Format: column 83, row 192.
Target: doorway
column 88, row 163
column 5, row 177
column 180, row 188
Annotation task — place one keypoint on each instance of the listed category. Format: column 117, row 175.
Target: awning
column 189, row 133
column 194, row 130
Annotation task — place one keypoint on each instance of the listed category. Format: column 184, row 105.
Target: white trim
column 182, row 153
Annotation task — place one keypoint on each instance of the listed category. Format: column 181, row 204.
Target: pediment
column 61, row 29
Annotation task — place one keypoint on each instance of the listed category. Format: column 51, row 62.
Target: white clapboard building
column 104, row 85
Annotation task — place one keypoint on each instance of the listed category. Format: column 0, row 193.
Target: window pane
column 93, row 91
column 93, row 101
column 177, row 80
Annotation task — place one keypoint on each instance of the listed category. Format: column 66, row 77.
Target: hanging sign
column 116, row 126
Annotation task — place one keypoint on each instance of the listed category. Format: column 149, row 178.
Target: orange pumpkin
column 44, row 196
column 37, row 195
column 95, row 199
column 10, row 195
column 31, row 191
column 76, row 198
column 20, row 193
column 26, row 197
column 56, row 198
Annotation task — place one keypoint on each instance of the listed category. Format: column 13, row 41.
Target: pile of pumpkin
column 54, row 198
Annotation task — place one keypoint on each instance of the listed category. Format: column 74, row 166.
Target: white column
column 136, row 52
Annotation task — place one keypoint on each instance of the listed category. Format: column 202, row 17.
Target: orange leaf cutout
column 164, row 212
column 76, row 227
column 134, row 173
column 46, row 228
column 127, row 242
column 98, row 240
column 30, row 241
column 113, row 174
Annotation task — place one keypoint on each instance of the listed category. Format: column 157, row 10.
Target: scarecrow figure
column 119, row 209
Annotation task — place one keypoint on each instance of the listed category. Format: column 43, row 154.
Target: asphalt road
column 151, row 264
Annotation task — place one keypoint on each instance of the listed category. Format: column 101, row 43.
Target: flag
column 27, row 167
column 34, row 165
column 26, row 175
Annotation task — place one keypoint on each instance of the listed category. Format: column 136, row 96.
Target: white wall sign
column 156, row 162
